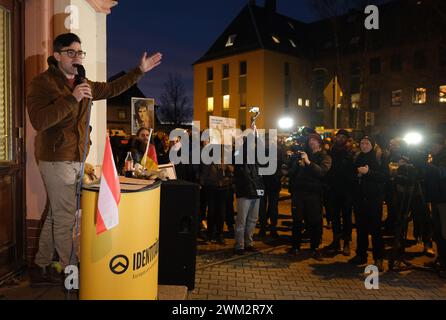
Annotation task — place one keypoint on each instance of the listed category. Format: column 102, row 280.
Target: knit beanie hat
column 343, row 132
column 372, row 141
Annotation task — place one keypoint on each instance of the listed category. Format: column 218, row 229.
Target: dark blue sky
column 181, row 30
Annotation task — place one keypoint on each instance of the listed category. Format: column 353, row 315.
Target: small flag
column 149, row 161
column 107, row 215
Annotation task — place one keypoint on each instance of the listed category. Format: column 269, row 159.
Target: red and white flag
column 107, row 215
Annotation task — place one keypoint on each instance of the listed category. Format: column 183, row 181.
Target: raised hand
column 148, row 63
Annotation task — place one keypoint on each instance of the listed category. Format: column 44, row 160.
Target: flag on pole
column 107, row 215
column 149, row 161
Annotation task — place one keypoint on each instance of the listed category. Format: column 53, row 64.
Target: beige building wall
column 265, row 88
column 254, row 91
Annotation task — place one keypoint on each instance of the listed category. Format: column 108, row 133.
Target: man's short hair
column 64, row 40
column 141, row 104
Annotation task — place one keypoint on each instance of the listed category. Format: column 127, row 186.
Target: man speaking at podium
column 58, row 103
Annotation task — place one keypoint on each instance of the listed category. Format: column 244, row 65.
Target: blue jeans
column 245, row 222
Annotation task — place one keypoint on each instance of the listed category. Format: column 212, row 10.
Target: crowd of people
column 352, row 184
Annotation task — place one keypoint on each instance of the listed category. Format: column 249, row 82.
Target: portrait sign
column 143, row 114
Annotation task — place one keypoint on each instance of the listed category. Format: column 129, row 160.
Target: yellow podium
column 121, row 263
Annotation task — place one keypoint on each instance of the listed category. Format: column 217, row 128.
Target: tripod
column 405, row 214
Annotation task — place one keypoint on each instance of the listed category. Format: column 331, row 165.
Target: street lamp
column 413, row 138
column 286, row 123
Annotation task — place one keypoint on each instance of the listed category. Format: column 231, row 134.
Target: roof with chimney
column 401, row 22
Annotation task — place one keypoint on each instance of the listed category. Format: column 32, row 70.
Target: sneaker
column 428, row 250
column 380, row 265
column 334, row 246
column 274, row 234
column 220, row 240
column 346, row 251
column 357, row 260
column 293, row 251
column 239, row 252
column 44, row 277
column 316, row 255
column 251, row 249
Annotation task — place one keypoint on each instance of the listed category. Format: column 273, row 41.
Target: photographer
column 306, row 175
column 410, row 199
column 436, row 194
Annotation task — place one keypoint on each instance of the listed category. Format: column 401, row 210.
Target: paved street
column 272, row 274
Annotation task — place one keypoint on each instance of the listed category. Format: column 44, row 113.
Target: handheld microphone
column 80, row 78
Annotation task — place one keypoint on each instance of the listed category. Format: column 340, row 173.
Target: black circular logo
column 119, row 264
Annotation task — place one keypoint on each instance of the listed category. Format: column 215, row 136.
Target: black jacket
column 247, row 181
column 340, row 177
column 435, row 180
column 371, row 185
column 310, row 178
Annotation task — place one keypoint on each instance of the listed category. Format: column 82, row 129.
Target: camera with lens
column 297, row 149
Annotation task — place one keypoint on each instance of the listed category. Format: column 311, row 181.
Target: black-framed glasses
column 72, row 53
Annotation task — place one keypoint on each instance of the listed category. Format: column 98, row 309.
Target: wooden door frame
column 18, row 166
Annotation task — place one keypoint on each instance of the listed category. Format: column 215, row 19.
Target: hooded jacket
column 60, row 121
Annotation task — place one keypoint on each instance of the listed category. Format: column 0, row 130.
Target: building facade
column 386, row 78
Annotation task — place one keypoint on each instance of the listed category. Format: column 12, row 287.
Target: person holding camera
column 306, row 175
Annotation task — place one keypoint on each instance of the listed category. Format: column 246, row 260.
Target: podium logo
column 119, row 264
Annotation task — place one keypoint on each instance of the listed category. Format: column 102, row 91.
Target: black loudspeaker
column 180, row 201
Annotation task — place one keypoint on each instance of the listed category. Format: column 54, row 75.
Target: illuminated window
column 355, row 99
column 292, row 43
column 275, row 39
column 231, row 40
column 419, row 96
column 300, row 102
column 226, row 102
column 397, row 97
column 443, row 94
column 211, row 104
column 307, row 102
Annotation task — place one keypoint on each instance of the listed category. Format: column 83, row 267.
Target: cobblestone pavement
column 271, row 274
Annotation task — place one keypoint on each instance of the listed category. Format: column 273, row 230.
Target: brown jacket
column 60, row 121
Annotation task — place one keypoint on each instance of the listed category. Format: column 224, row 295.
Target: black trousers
column 306, row 208
column 438, row 236
column 368, row 214
column 407, row 202
column 203, row 204
column 217, row 200
column 341, row 205
column 269, row 208
column 229, row 215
